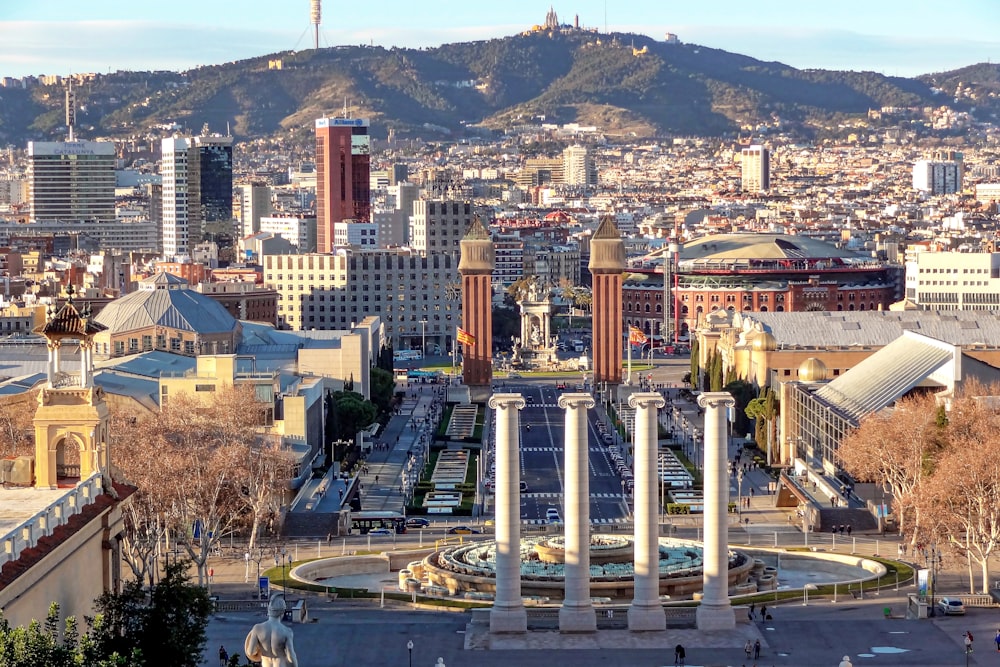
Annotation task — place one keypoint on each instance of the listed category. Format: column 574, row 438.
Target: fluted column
column 508, row 613
column 577, row 612
column 646, row 612
column 715, row 612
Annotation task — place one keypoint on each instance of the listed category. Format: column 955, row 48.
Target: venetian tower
column 71, row 423
column 476, row 270
column 607, row 263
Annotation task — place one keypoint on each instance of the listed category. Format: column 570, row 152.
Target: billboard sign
column 341, row 122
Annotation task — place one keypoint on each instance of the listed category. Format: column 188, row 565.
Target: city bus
column 362, row 522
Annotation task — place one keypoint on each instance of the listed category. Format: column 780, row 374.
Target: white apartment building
column 417, row 297
column 356, row 235
column 298, row 230
column 954, row 281
column 255, row 203
column 71, row 181
column 755, row 162
column 578, row 167
column 437, row 225
column 937, row 177
column 988, row 193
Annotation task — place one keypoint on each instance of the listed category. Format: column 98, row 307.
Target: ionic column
column 715, row 612
column 646, row 612
column 508, row 613
column 577, row 612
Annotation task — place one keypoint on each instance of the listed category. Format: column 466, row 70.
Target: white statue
column 270, row 642
column 536, row 337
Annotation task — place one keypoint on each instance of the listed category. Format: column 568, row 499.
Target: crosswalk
column 544, row 450
column 595, row 522
column 556, row 495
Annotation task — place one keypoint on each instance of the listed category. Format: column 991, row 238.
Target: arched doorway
column 67, row 458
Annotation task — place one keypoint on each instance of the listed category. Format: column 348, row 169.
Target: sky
column 895, row 37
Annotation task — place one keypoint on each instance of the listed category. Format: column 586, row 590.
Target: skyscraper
column 938, row 177
column 197, row 190
column 578, row 167
column 756, row 162
column 342, row 175
column 71, row 180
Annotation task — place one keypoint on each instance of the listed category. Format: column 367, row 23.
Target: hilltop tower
column 315, row 14
column 476, row 269
column 607, row 262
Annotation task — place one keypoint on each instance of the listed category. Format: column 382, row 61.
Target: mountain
column 623, row 83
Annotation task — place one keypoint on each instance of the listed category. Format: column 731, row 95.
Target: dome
column 812, row 370
column 165, row 301
column 764, row 342
column 744, row 246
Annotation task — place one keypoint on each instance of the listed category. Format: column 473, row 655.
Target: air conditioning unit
column 18, row 471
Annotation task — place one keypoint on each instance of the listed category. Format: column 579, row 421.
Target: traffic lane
column 542, row 460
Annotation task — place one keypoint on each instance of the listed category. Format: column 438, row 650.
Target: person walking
column 756, row 649
column 748, row 649
column 763, row 612
column 968, row 641
column 223, row 656
column 997, row 640
column 679, row 655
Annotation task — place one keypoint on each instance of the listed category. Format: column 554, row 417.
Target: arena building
column 755, row 273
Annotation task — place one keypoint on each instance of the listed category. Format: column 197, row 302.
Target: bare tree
column 896, row 448
column 17, row 435
column 961, row 500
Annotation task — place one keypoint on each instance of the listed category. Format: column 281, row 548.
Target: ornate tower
column 476, row 269
column 71, row 423
column 607, row 262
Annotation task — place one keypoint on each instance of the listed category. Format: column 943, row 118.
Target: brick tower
column 607, row 262
column 476, row 269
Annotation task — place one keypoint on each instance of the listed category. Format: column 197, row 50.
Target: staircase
column 860, row 520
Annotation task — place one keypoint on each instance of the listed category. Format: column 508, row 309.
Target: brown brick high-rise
column 476, row 269
column 607, row 263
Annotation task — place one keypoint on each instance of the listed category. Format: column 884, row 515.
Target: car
column 417, row 522
column 513, row 376
column 462, row 530
column 552, row 515
column 951, row 606
column 561, row 386
column 523, row 486
column 380, row 531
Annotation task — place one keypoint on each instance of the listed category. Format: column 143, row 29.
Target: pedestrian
column 997, row 640
column 756, row 649
column 848, row 530
column 968, row 641
column 376, row 479
column 763, row 612
column 748, row 649
column 679, row 656
column 223, row 656
column 753, row 610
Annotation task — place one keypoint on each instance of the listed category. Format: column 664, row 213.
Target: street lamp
column 423, row 337
column 409, row 649
column 935, row 560
column 283, row 552
column 739, row 490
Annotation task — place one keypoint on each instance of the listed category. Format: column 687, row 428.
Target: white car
column 951, row 607
column 552, row 515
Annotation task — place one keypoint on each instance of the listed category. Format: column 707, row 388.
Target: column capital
column 585, row 401
column 716, row 399
column 646, row 399
column 515, row 401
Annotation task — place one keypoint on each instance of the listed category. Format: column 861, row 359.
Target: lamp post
column 739, row 491
column 283, row 552
column 423, row 337
column 935, row 560
column 409, row 649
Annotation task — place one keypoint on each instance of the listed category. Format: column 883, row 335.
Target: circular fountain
column 471, row 568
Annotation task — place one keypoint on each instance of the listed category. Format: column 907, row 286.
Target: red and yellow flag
column 465, row 338
column 636, row 337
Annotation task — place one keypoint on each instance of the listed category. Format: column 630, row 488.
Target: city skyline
column 894, row 37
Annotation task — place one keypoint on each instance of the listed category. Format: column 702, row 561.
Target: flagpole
column 454, row 355
column 628, row 379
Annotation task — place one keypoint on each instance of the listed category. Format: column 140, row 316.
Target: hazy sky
column 897, row 37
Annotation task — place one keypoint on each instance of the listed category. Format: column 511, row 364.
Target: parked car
column 462, row 530
column 417, row 522
column 951, row 606
column 380, row 531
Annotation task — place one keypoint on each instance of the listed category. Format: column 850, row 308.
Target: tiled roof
column 181, row 309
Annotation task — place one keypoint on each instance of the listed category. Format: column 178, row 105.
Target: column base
column 716, row 618
column 577, row 619
column 646, row 618
column 510, row 620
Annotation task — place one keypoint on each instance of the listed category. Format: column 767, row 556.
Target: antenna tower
column 315, row 15
column 70, row 110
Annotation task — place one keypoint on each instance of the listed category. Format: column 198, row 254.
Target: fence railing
column 26, row 535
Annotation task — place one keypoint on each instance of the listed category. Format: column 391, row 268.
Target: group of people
column 752, row 649
column 842, row 528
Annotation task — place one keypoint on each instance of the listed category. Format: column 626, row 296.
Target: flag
column 465, row 338
column 636, row 337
